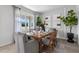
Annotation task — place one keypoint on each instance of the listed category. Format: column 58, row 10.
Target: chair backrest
column 53, row 35
column 25, row 38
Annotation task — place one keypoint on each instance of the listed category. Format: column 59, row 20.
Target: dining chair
column 50, row 41
column 26, row 45
column 30, row 45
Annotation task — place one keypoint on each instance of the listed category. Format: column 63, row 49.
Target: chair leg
column 55, row 43
column 51, row 47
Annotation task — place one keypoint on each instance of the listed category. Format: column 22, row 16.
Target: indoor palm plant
column 69, row 20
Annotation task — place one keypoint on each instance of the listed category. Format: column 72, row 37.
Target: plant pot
column 70, row 37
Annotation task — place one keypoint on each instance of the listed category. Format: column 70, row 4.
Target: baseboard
column 62, row 38
column 4, row 44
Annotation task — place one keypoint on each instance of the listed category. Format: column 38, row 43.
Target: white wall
column 77, row 8
column 6, row 24
column 61, row 11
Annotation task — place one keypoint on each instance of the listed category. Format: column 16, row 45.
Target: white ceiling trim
column 42, row 8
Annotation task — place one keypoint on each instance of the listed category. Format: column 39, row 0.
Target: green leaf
column 69, row 20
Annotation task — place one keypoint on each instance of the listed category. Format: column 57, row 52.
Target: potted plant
column 39, row 23
column 70, row 20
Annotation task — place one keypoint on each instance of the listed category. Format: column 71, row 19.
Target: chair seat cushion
column 46, row 41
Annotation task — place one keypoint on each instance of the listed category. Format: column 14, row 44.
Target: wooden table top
column 40, row 35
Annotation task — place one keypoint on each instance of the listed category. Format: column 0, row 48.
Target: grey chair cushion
column 46, row 41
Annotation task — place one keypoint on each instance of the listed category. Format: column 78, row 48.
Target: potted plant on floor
column 70, row 20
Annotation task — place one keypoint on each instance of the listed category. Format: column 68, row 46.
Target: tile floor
column 62, row 47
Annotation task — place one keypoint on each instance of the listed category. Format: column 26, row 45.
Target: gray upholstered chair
column 30, row 45
column 24, row 45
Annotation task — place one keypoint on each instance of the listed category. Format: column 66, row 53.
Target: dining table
column 39, row 36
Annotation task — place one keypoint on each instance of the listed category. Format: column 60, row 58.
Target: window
column 23, row 21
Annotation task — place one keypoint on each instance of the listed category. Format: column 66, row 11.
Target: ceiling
column 42, row 8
